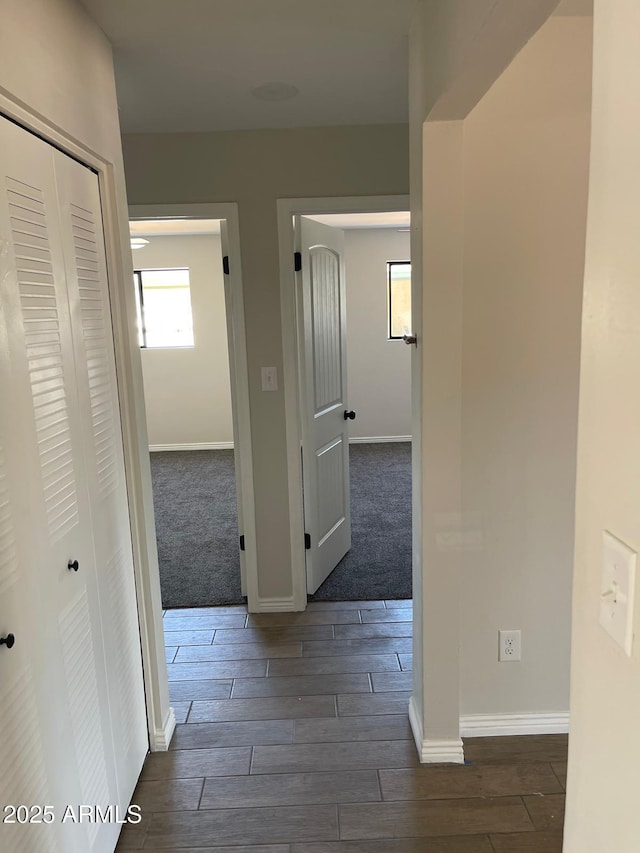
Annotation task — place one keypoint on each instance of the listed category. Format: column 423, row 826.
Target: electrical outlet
column 510, row 645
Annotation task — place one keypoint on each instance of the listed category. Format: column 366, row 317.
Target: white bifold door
column 72, row 711
column 325, row 415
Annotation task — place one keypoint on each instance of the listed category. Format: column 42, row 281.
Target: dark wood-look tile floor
column 293, row 737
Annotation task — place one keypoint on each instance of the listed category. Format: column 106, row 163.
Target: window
column 163, row 301
column 399, row 278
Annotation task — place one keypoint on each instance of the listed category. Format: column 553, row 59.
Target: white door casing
column 323, row 392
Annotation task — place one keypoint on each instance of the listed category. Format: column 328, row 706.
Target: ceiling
column 191, row 65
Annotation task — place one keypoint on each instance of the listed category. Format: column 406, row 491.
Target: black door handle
column 8, row 641
column 349, row 416
column 73, row 564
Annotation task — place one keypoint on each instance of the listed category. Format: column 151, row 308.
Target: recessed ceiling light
column 138, row 242
column 275, row 92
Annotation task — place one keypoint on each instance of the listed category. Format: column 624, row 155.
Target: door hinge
column 307, row 541
column 225, row 265
column 242, row 543
column 297, row 261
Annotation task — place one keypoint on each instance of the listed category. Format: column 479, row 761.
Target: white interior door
column 325, row 415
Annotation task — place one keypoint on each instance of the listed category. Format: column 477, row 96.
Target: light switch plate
column 269, row 378
column 617, row 591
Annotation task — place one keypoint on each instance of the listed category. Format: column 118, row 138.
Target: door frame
column 287, row 208
column 238, row 370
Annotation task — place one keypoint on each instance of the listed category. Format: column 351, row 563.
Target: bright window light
column 399, row 301
column 163, row 300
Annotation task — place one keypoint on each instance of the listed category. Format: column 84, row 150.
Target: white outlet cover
column 617, row 590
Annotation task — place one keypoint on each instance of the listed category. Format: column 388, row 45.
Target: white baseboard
column 162, row 737
column 215, row 445
column 498, row 725
column 378, row 439
column 434, row 751
column 275, row 605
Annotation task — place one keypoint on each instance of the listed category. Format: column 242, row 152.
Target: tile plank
column 305, row 618
column 170, row 653
column 291, row 789
column 226, row 609
column 452, row 782
column 342, row 729
column 395, row 615
column 275, row 635
column 309, row 757
column 238, row 651
column 516, row 749
column 382, row 629
column 181, row 710
column 301, row 685
column 216, row 670
column 243, row 733
column 182, row 691
column 373, row 646
column 344, row 605
column 242, row 826
column 406, row 662
column 263, row 708
column 330, row 665
column 433, row 818
column 187, row 638
column 457, row 844
column 385, row 682
column 560, row 769
column 194, row 763
column 528, row 842
column 353, row 705
column 546, row 810
column 203, row 623
column 398, row 603
column 163, row 796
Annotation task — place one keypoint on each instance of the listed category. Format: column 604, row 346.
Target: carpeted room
column 191, row 433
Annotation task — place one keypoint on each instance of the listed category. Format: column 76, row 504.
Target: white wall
column 379, row 370
column 187, row 391
column 604, row 748
column 526, row 173
column 254, row 169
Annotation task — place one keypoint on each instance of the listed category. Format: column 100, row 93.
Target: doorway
column 375, row 405
column 191, row 330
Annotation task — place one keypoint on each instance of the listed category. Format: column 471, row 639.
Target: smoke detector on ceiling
column 275, row 92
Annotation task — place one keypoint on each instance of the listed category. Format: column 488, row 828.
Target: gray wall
column 254, row 168
column 526, row 176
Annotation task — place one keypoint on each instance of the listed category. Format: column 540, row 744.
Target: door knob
column 8, row 641
column 349, row 416
column 410, row 339
column 73, row 565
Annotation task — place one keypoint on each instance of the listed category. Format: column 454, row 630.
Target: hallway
column 293, row 733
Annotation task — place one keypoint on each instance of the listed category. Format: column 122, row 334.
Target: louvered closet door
column 57, row 495
column 58, row 608
column 27, row 747
column 83, row 242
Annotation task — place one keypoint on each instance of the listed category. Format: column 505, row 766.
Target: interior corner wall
column 254, row 169
column 379, row 369
column 604, row 747
column 187, row 390
column 526, row 175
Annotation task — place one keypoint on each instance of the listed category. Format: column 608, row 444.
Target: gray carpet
column 196, row 525
column 379, row 562
column 194, row 495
